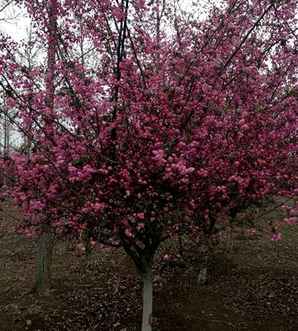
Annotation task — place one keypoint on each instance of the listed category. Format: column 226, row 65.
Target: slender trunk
column 143, row 260
column 6, row 152
column 45, row 247
column 203, row 273
column 46, row 240
column 6, row 135
column 147, row 299
column 86, row 239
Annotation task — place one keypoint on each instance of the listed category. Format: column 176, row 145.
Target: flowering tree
column 187, row 125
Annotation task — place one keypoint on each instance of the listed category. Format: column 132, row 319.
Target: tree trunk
column 46, row 239
column 203, row 273
column 147, row 299
column 86, row 239
column 45, row 247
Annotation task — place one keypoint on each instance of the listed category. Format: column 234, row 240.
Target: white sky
column 15, row 23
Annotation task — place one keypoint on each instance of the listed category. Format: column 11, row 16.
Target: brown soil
column 253, row 287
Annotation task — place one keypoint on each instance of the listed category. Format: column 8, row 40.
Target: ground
column 252, row 286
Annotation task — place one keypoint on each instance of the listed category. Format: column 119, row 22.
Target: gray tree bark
column 147, row 299
column 45, row 247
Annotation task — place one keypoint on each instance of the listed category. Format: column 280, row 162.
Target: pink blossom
column 140, row 216
column 276, row 236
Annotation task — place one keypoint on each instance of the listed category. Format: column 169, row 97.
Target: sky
column 15, row 22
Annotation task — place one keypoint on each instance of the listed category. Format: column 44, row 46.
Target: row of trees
column 173, row 122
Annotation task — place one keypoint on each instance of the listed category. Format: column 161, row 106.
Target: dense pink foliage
column 188, row 124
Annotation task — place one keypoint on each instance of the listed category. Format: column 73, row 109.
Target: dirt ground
column 252, row 287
